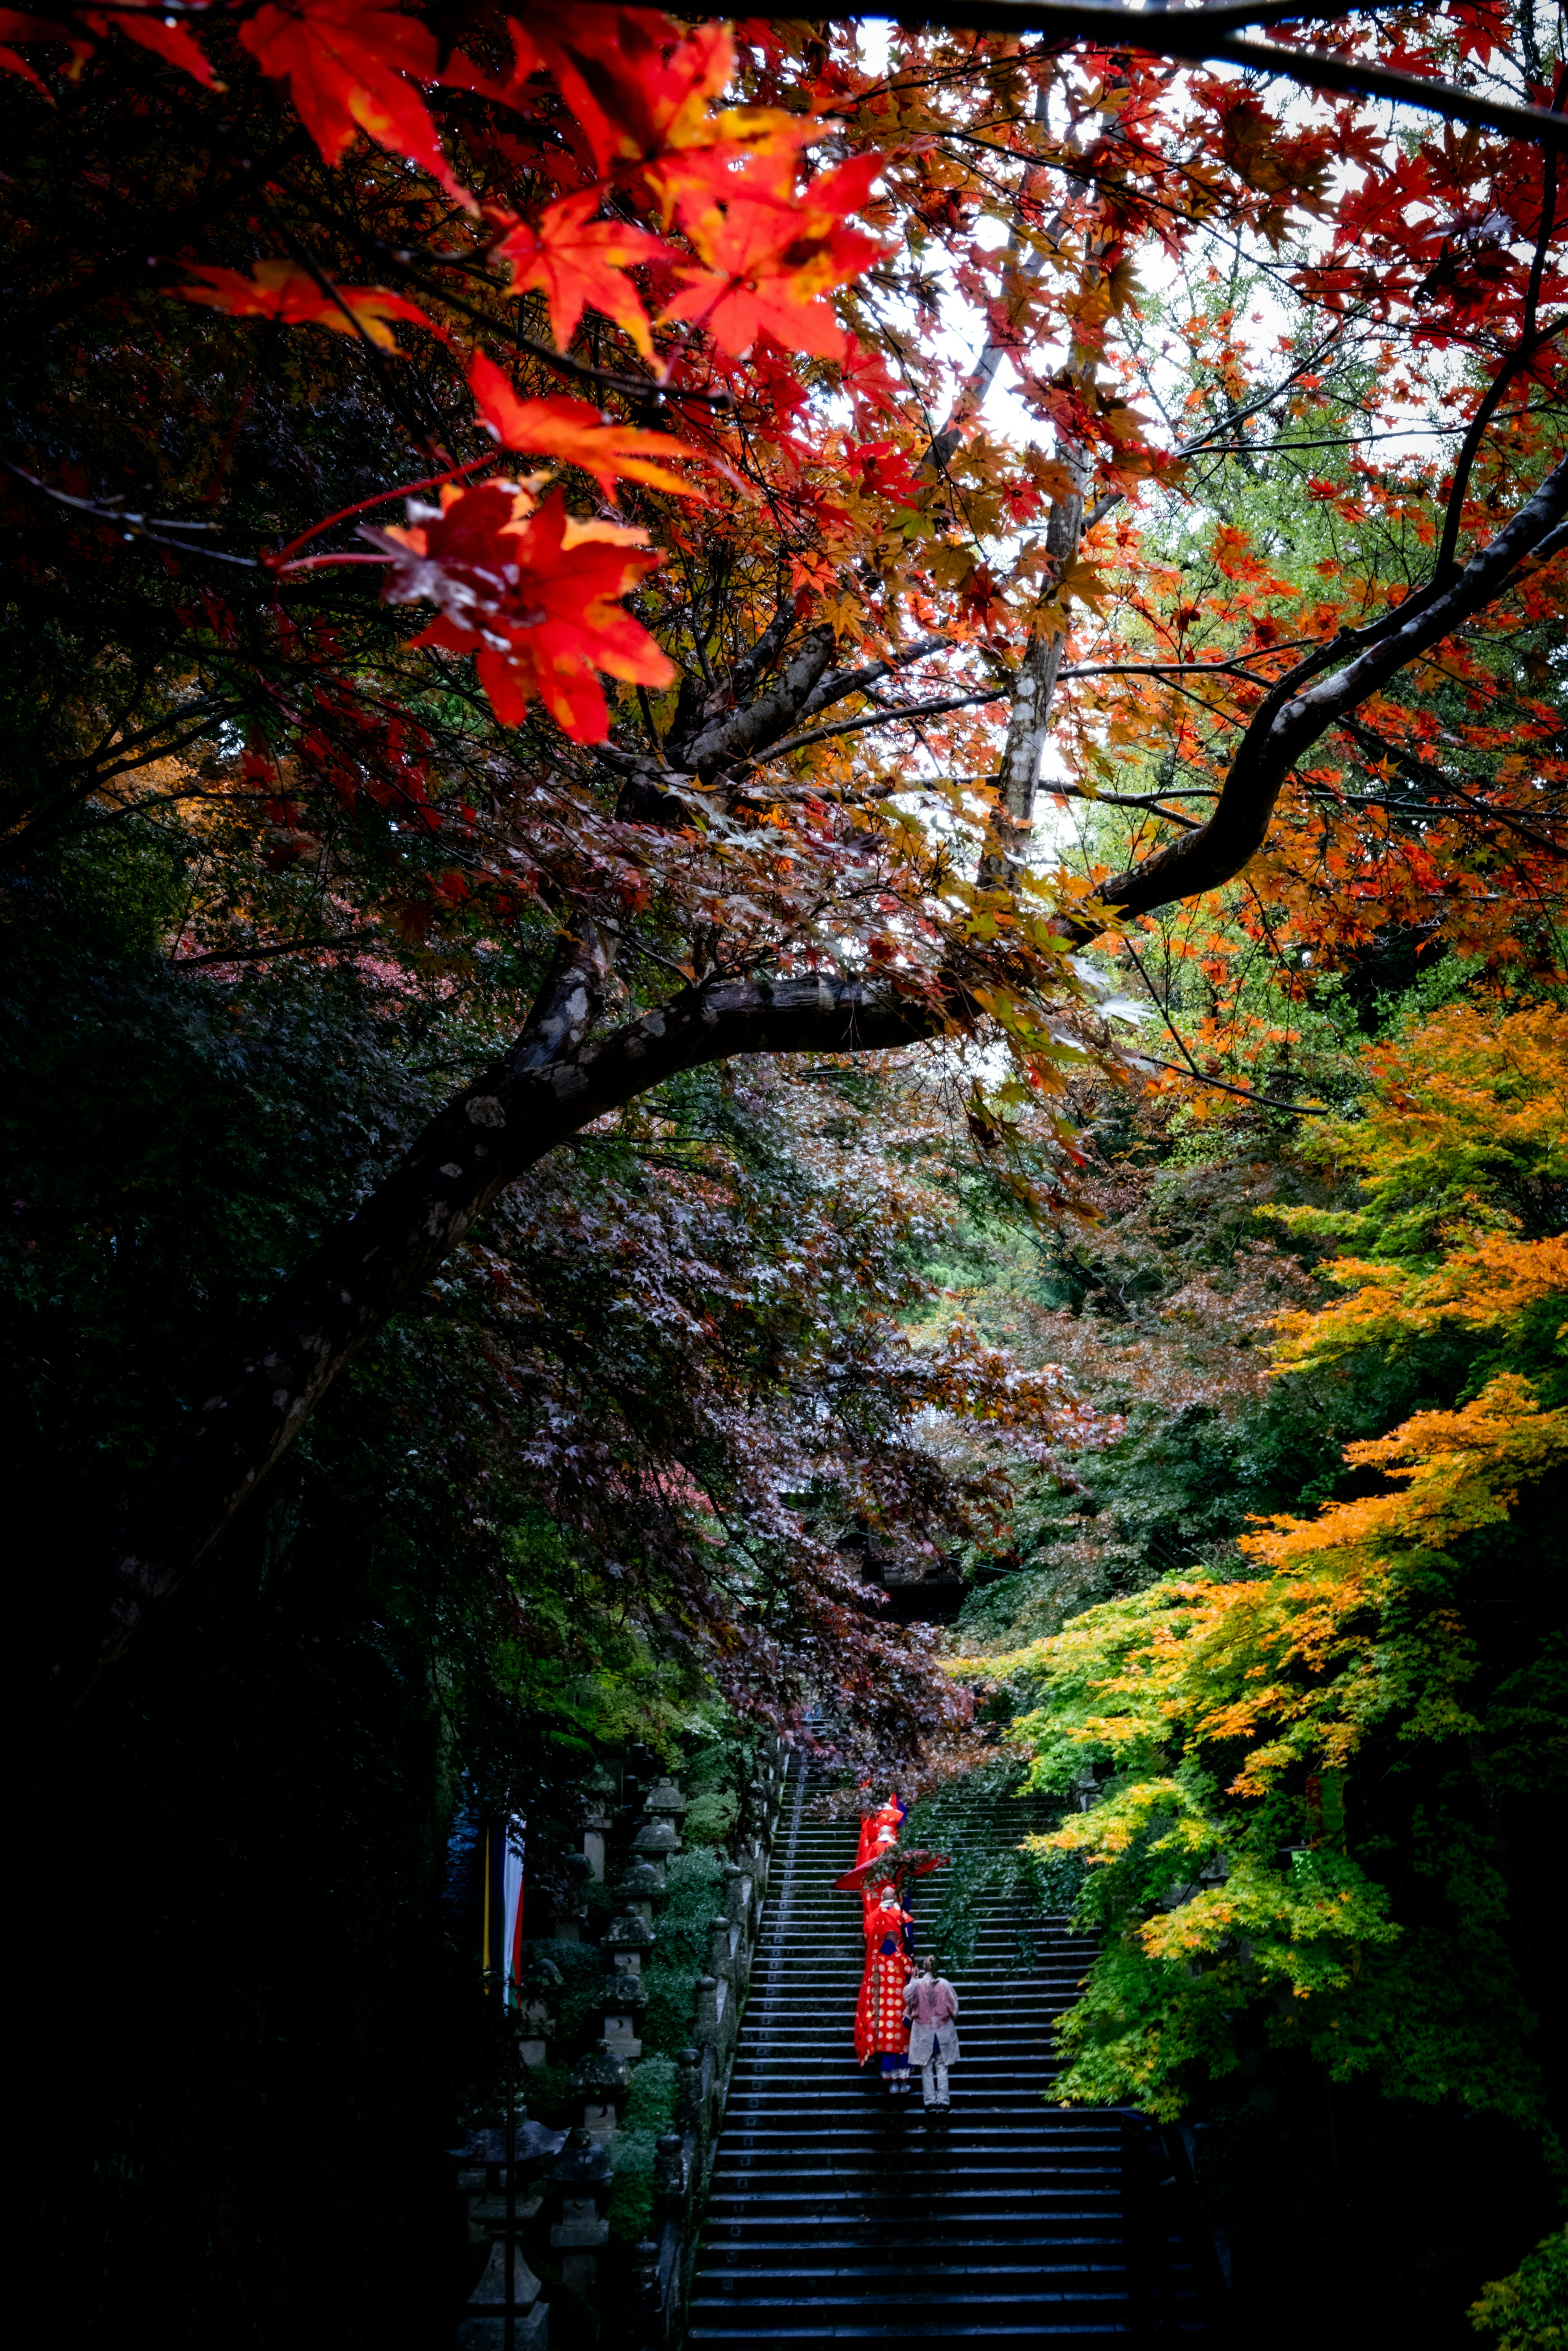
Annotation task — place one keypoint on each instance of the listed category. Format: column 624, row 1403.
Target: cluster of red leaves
column 602, row 177
column 533, row 595
column 759, row 256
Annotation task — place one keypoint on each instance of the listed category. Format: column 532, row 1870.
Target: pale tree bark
column 1034, row 694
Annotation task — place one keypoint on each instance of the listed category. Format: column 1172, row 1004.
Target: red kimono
column 880, row 2028
column 890, row 1815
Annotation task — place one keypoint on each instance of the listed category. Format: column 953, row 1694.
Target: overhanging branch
column 1316, row 697
column 1196, row 36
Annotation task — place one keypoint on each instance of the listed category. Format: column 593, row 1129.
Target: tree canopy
column 778, row 798
column 699, row 702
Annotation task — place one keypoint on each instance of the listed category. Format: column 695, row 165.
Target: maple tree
column 552, row 558
column 1311, row 1767
column 778, row 519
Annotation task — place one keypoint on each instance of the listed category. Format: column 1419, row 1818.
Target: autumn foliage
column 1260, row 1736
column 642, row 653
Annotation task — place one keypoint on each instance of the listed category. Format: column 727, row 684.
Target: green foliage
column 709, row 1819
column 649, row 2113
column 549, row 2096
column 651, row 2106
column 575, row 2006
column 693, row 1880
column 671, row 2012
column 1529, row 2311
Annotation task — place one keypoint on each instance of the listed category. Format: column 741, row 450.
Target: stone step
column 837, row 2214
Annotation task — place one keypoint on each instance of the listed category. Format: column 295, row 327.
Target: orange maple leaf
column 576, row 435
column 282, row 289
column 348, row 64
column 534, row 597
column 771, row 256
column 579, row 261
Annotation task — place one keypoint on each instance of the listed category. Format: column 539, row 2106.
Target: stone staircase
column 837, row 2214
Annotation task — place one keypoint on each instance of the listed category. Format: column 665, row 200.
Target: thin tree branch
column 881, row 718
column 1197, row 1078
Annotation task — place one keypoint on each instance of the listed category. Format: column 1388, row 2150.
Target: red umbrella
column 891, row 1866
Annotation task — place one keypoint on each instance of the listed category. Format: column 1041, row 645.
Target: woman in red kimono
column 879, row 2027
column 875, row 1827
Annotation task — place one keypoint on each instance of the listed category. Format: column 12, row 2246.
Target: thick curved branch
column 839, row 683
column 1197, row 34
column 553, row 1082
column 748, row 730
column 885, row 716
column 1307, row 703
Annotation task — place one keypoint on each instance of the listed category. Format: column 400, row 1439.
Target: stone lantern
column 664, row 1801
column 538, row 1986
column 627, row 1937
column 627, row 1940
column 625, row 1996
column 571, row 1918
column 600, row 1800
column 639, row 1888
column 601, row 2079
column 581, row 2176
column 654, row 1842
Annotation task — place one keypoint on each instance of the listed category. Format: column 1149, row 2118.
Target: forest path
column 837, row 2214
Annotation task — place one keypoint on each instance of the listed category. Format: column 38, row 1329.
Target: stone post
column 720, row 1949
column 647, row 2299
column 737, row 1892
column 710, row 2009
column 689, row 2090
column 672, row 2175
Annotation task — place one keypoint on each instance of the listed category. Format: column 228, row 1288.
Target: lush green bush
column 1529, row 2311
column 650, row 2113
column 693, row 1880
column 709, row 1819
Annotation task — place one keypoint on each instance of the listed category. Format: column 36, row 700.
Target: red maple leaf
column 576, row 435
column 771, row 256
column 18, row 24
column 281, row 289
column 637, row 83
column 578, row 262
column 348, row 64
column 866, row 379
column 535, row 596
column 883, row 469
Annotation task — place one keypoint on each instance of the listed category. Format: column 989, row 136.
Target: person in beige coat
column 931, row 2007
